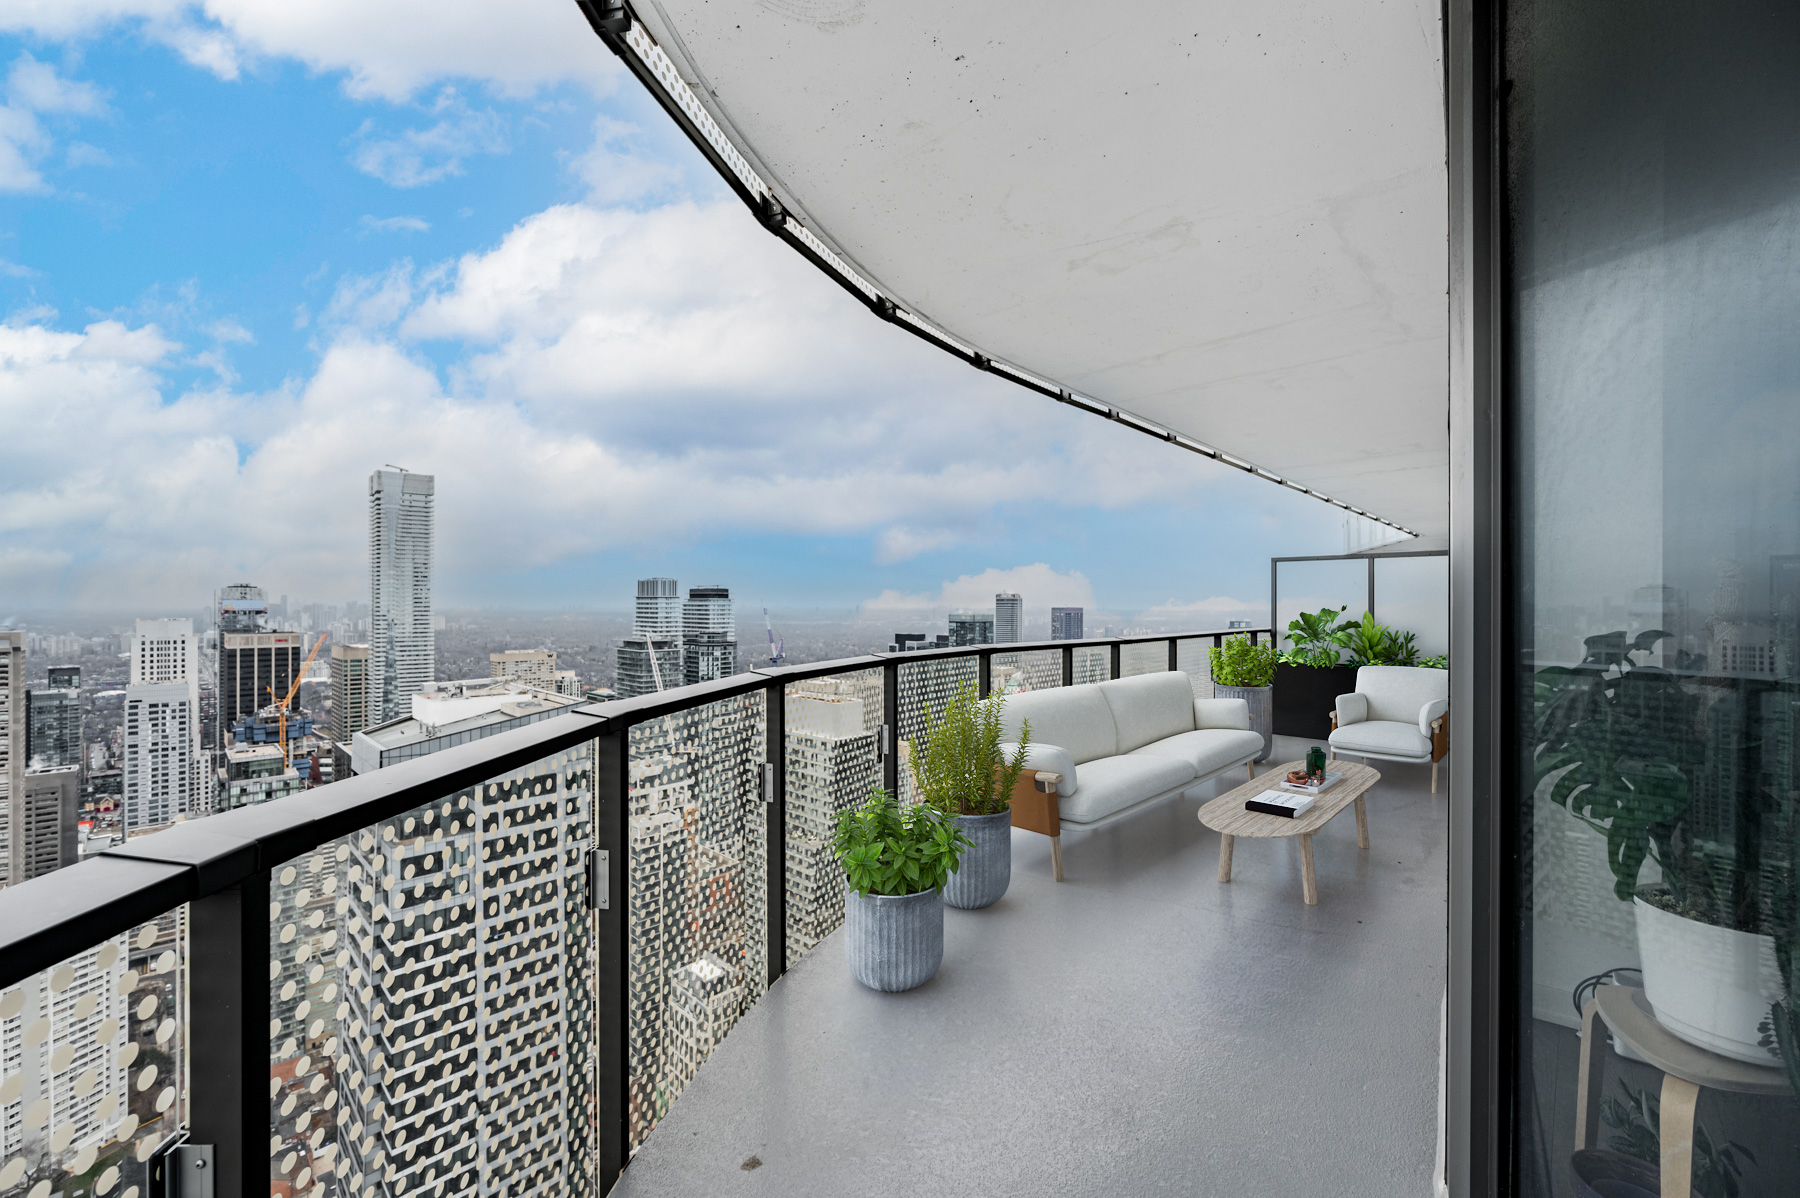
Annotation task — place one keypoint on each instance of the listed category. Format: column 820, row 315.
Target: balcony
column 515, row 965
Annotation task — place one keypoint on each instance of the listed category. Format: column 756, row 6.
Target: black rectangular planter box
column 1305, row 698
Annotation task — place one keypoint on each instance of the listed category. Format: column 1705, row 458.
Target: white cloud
column 34, row 87
column 430, row 154
column 1040, row 586
column 1216, row 611
column 615, row 168
column 394, row 224
column 390, row 50
column 899, row 544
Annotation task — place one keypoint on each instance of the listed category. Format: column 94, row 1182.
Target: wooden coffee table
column 1226, row 816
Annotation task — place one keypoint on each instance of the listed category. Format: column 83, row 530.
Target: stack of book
column 1275, row 802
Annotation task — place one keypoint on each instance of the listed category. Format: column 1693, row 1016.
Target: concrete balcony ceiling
column 1226, row 218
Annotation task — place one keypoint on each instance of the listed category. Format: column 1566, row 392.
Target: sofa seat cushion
column 1115, row 783
column 1075, row 718
column 1208, row 750
column 1389, row 737
column 1150, row 707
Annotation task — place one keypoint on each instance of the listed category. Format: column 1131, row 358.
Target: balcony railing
column 488, row 970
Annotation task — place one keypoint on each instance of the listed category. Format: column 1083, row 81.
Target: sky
column 250, row 252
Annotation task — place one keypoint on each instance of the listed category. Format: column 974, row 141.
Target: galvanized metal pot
column 1262, row 710
column 893, row 942
column 986, row 870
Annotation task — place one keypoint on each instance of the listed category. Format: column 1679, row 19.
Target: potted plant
column 1645, row 759
column 1309, row 675
column 896, row 860
column 1242, row 670
column 1373, row 644
column 961, row 772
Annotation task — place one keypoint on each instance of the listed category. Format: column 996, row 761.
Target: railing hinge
column 768, row 781
column 886, row 746
column 599, row 876
column 182, row 1169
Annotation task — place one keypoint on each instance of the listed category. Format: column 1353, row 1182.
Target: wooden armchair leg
column 1434, row 766
column 1056, row 858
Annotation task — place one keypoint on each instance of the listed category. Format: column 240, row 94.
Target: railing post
column 1113, row 669
column 984, row 672
column 1172, row 655
column 890, row 714
column 775, row 813
column 1068, row 665
column 229, row 1009
column 612, row 974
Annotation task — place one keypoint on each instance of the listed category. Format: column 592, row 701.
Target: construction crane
column 777, row 653
column 281, row 704
column 655, row 669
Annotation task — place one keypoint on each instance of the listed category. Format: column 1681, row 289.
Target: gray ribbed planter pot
column 986, row 870
column 893, row 942
column 1262, row 710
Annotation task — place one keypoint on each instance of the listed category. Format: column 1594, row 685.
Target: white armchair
column 1398, row 713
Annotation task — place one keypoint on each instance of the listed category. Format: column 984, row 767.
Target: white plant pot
column 1711, row 986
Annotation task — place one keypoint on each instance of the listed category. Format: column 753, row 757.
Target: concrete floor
column 1138, row 1029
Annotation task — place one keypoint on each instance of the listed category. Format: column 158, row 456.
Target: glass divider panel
column 1151, row 657
column 832, row 764
column 1093, row 663
column 93, row 1065
column 698, row 908
column 925, row 685
column 1036, row 670
column 432, row 998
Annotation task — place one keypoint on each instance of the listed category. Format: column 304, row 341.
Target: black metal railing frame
column 221, row 867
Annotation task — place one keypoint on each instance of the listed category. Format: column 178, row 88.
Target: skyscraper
column 162, row 768
column 709, row 638
column 656, row 629
column 1009, row 618
column 53, row 721
column 12, row 734
column 1065, row 623
column 402, row 648
column 972, row 628
column 349, row 702
column 658, row 608
column 257, row 662
column 831, row 765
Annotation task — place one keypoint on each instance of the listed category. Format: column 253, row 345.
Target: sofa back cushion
column 1075, row 718
column 1150, row 707
column 1398, row 692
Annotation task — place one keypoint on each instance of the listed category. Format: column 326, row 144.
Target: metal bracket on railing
column 181, row 1169
column 887, row 740
column 768, row 785
column 599, row 867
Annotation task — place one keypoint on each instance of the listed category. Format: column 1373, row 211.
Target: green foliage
column 959, row 768
column 1315, row 639
column 1372, row 644
column 888, row 849
column 1435, row 663
column 1237, row 662
column 1637, row 1120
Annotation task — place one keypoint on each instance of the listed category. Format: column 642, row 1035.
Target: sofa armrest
column 1352, row 709
column 1429, row 713
column 1221, row 713
column 1049, row 758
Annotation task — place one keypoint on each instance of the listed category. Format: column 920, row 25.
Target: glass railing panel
column 431, row 982
column 1192, row 657
column 1151, row 657
column 698, row 877
column 833, row 762
column 1013, row 673
column 925, row 686
column 1092, row 664
column 94, row 1066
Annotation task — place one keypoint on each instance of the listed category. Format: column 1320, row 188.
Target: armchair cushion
column 1049, row 758
column 1221, row 713
column 1352, row 709
column 1385, row 738
column 1430, row 712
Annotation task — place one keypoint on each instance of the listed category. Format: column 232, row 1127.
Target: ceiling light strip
column 626, row 36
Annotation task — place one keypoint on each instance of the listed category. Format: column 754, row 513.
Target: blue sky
column 249, row 254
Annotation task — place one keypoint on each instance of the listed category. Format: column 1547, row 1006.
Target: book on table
column 1319, row 787
column 1275, row 802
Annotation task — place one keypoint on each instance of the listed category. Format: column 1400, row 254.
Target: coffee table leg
column 1679, row 1097
column 1362, row 824
column 1225, row 839
column 1310, row 883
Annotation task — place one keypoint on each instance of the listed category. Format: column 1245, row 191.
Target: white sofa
column 1398, row 713
column 1119, row 746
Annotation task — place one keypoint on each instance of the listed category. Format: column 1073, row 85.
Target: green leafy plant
column 1435, row 663
column 1314, row 636
column 889, row 849
column 1637, row 1120
column 959, row 768
column 1373, row 644
column 1237, row 662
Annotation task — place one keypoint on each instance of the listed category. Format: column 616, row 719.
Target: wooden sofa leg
column 1434, row 777
column 1252, row 767
column 1056, row 858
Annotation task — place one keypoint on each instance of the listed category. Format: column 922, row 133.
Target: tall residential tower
column 402, row 649
column 1009, row 618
